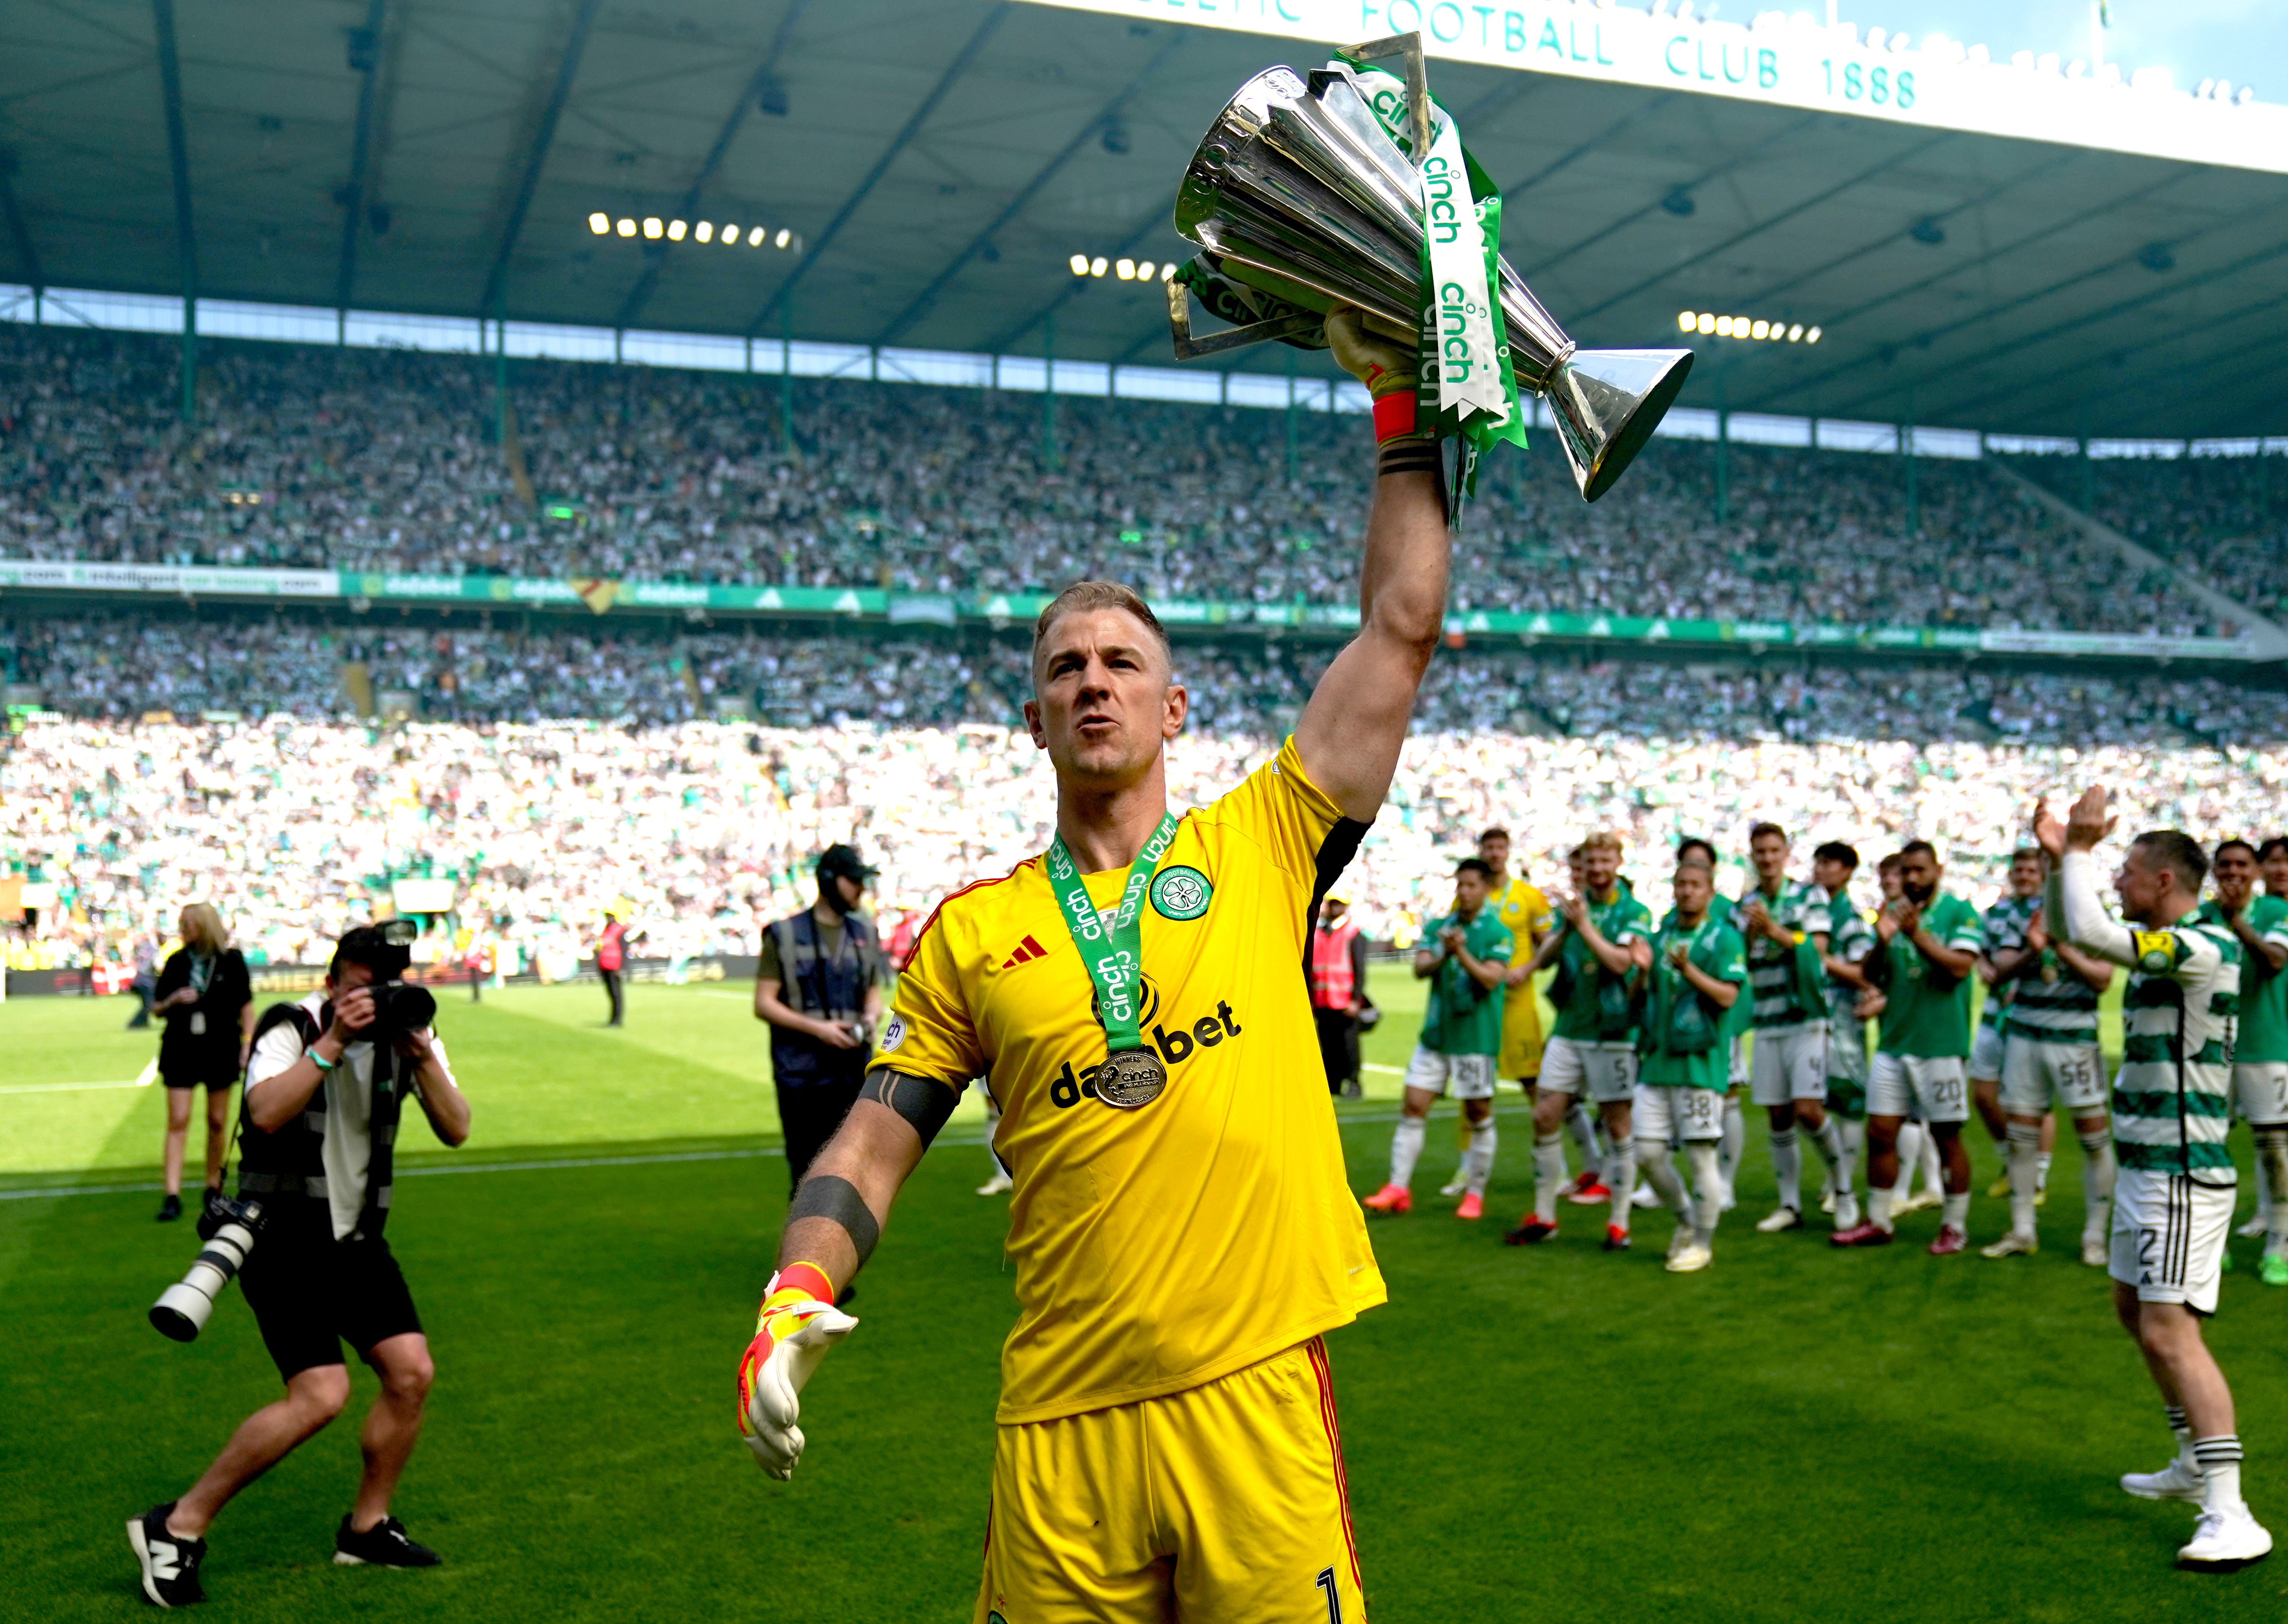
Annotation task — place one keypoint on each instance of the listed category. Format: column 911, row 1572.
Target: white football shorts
column 1675, row 1113
column 1790, row 1064
column 1988, row 1054
column 1604, row 1072
column 1900, row 1084
column 2034, row 1073
column 1471, row 1076
column 2259, row 1089
column 2168, row 1237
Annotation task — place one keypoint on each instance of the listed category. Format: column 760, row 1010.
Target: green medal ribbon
column 1114, row 956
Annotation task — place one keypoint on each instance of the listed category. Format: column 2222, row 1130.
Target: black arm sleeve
column 826, row 1195
column 924, row 1104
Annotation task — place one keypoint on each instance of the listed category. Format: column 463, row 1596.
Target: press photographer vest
column 288, row 1165
column 830, row 986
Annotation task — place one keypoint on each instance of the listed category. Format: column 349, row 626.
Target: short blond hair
column 1602, row 841
column 1083, row 595
column 207, row 934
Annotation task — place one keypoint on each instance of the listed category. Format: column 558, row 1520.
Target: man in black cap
column 820, row 988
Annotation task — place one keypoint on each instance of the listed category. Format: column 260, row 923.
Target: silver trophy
column 1302, row 202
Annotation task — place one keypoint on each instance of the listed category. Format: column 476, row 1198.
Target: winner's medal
column 1132, row 1074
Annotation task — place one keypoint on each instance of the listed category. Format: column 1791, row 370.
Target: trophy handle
column 1188, row 348
column 1418, row 81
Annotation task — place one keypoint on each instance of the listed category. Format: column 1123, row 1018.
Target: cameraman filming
column 317, row 1139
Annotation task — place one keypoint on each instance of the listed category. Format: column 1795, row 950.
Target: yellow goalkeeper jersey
column 1526, row 912
column 1166, row 1247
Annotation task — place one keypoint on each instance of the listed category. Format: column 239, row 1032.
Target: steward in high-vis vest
column 820, row 988
column 320, row 1118
column 1339, row 992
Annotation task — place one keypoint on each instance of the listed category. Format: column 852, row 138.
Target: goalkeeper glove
column 798, row 1323
column 1387, row 368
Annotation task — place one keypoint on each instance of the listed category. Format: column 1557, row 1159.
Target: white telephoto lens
column 182, row 1309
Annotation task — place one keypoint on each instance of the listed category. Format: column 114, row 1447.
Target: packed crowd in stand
column 125, row 666
column 2223, row 518
column 360, row 460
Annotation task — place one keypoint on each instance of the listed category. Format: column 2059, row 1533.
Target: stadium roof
column 935, row 166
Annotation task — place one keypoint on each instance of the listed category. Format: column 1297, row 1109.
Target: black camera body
column 227, row 1230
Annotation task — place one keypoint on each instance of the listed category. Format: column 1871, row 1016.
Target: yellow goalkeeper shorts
column 1222, row 1504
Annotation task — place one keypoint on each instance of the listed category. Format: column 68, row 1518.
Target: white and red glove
column 1387, row 368
column 797, row 1324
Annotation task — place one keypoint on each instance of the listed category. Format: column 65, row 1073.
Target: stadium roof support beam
column 921, row 302
column 655, row 253
column 2119, row 307
column 178, row 166
column 368, row 47
column 19, row 232
column 898, row 144
column 536, row 157
column 1718, row 172
column 1564, row 161
column 1738, row 237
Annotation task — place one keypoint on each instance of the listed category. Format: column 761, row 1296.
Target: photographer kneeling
column 324, row 1092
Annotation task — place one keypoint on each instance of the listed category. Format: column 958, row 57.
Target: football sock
column 2219, row 1459
column 1406, row 1149
column 1879, row 1207
column 1479, row 1160
column 1583, row 1127
column 2097, row 1171
column 1660, row 1172
column 1548, row 1175
column 1787, row 1166
column 1621, row 1179
column 2042, row 1168
column 2272, row 1172
column 1850, row 1137
column 1735, row 1134
column 1955, row 1210
column 2025, row 1142
column 1911, row 1156
column 1933, row 1176
column 2182, row 1430
column 1829, row 1142
column 1707, row 1189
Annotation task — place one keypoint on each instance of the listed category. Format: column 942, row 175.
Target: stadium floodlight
column 675, row 230
column 704, row 231
column 1080, row 265
column 1168, row 272
column 1125, row 270
column 1686, row 320
column 653, row 227
column 1723, row 326
column 1705, row 323
column 1811, row 335
column 1096, row 266
column 730, row 236
column 1144, row 268
column 1760, row 329
column 627, row 228
column 599, row 223
column 754, row 237
column 785, row 236
column 1795, row 333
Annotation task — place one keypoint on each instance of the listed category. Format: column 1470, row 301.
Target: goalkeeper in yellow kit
column 1182, row 1227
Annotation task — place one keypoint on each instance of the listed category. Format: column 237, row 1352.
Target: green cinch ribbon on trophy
column 1466, row 389
column 1113, row 954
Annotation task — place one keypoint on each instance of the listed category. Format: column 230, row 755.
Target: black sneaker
column 171, row 1209
column 171, row 1562
column 385, row 1544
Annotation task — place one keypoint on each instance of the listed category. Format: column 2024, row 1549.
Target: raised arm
column 1350, row 732
column 2077, row 912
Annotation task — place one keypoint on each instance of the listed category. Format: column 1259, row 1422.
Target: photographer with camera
column 820, row 988
column 319, row 1122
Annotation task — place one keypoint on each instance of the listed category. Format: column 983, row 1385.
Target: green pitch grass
column 1795, row 1435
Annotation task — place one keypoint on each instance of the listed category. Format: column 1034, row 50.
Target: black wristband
column 1407, row 455
column 836, row 1200
column 925, row 1104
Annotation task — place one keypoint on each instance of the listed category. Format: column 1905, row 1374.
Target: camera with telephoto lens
column 398, row 1006
column 227, row 1230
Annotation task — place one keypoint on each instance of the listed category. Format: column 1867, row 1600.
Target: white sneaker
column 2180, row 1479
column 1916, row 1203
column 2012, row 1245
column 2095, row 1253
column 2223, row 1540
column 1694, row 1258
column 1827, row 1199
column 2255, row 1227
column 1456, row 1185
column 1847, row 1213
column 1643, row 1196
column 1681, row 1241
column 1000, row 1184
column 1786, row 1217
